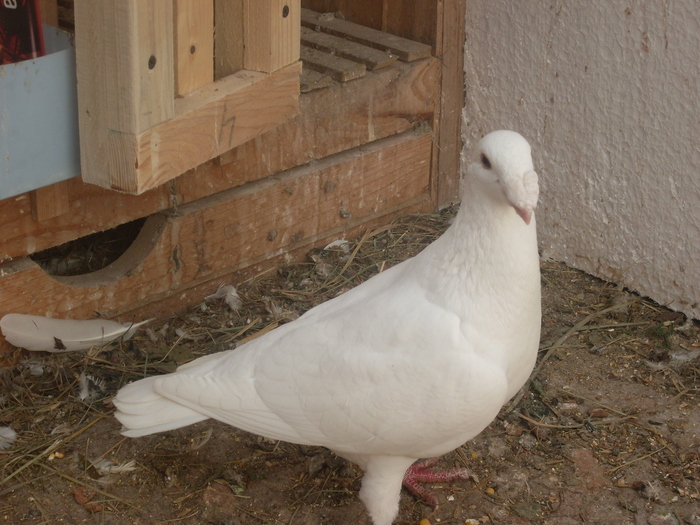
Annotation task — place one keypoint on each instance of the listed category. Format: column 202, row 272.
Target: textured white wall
column 608, row 93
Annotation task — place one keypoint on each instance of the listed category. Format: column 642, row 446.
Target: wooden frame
column 149, row 107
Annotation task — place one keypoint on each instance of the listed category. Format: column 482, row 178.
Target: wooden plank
column 331, row 120
column 228, row 37
column 124, row 54
column 311, row 80
column 336, row 67
column 271, row 34
column 451, row 102
column 237, row 109
column 387, row 102
column 194, row 44
column 50, row 201
column 372, row 58
column 417, row 20
column 229, row 231
column 406, row 50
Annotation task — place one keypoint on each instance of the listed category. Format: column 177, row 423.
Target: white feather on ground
column 47, row 334
column 410, row 364
column 7, row 437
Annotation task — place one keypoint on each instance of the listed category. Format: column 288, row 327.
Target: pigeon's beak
column 522, row 194
column 525, row 214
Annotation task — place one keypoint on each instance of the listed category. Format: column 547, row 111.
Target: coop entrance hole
column 103, row 257
column 90, row 253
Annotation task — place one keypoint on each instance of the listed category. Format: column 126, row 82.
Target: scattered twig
column 612, row 471
column 54, row 446
column 547, row 425
column 83, row 484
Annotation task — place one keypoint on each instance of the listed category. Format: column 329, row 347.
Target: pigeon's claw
column 421, row 472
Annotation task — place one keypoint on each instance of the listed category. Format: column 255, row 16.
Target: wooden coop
column 239, row 134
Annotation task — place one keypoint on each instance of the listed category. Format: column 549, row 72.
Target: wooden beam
column 384, row 103
column 125, row 70
column 271, row 34
column 451, row 102
column 237, row 109
column 194, row 44
column 304, row 206
column 124, row 55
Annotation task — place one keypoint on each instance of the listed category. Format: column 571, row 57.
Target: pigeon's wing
column 392, row 374
column 379, row 368
column 222, row 386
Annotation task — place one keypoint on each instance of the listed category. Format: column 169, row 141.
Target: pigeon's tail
column 142, row 411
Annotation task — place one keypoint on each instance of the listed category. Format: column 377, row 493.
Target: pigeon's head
column 502, row 160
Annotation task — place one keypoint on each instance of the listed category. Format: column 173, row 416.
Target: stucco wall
column 608, row 93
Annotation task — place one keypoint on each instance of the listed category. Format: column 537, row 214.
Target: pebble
column 598, row 412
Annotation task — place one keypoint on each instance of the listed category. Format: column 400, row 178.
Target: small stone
column 598, row 412
column 527, row 441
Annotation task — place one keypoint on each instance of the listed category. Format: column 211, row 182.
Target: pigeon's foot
column 421, row 472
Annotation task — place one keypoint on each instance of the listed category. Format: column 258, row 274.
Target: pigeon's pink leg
column 420, row 473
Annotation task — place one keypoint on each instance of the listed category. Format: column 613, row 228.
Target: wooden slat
column 194, row 44
column 406, row 50
column 50, row 201
column 372, row 58
column 311, row 80
column 124, row 53
column 271, row 34
column 388, row 176
column 387, row 102
column 228, row 37
column 336, row 67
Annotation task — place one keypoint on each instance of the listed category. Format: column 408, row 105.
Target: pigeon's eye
column 485, row 162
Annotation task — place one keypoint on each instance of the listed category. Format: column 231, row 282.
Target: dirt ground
column 608, row 431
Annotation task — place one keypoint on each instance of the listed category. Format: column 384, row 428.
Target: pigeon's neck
column 488, row 252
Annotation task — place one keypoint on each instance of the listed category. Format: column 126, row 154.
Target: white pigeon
column 410, row 364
